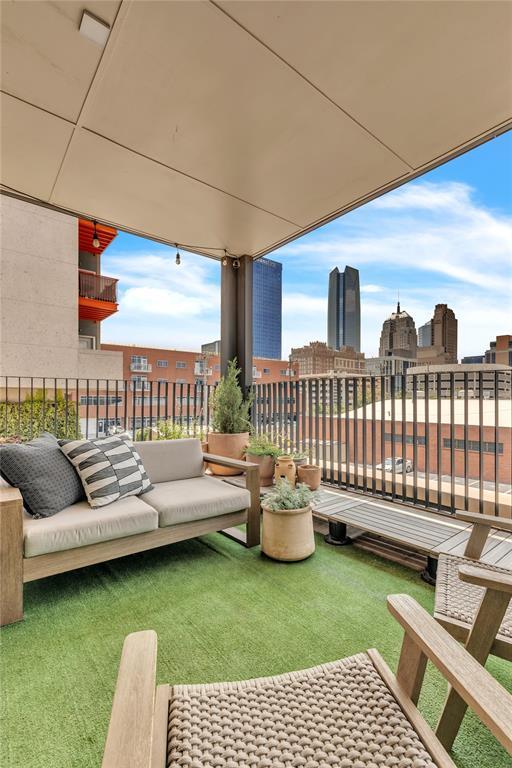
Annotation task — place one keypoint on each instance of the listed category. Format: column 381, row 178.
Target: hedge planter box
column 310, row 474
column 288, row 534
column 230, row 446
column 266, row 464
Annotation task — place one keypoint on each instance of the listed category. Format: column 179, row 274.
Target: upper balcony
column 141, row 367
column 97, row 295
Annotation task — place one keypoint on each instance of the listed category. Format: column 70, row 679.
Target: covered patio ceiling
column 242, row 125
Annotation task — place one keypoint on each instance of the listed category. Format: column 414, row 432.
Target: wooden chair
column 473, row 603
column 339, row 713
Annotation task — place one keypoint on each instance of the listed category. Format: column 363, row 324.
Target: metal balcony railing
column 98, row 287
column 141, row 367
column 441, row 441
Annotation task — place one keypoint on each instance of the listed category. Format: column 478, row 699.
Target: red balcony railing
column 98, row 287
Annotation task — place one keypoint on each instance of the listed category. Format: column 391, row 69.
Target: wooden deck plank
column 391, row 524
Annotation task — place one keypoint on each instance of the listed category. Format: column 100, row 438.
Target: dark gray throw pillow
column 46, row 479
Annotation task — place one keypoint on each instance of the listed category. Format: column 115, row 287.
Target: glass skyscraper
column 267, row 308
column 344, row 309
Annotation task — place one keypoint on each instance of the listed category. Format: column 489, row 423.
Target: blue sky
column 446, row 237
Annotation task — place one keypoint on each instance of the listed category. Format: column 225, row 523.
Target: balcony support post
column 236, row 318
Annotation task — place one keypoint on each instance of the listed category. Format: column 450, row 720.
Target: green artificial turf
column 221, row 613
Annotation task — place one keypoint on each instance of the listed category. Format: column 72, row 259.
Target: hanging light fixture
column 95, row 239
column 236, row 263
column 225, row 259
column 178, row 257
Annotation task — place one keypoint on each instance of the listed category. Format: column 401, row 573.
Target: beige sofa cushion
column 195, row 499
column 166, row 460
column 79, row 525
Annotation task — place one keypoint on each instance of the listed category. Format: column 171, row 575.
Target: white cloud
column 430, row 240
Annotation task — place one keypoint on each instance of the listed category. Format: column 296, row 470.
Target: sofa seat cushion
column 183, row 501
column 80, row 525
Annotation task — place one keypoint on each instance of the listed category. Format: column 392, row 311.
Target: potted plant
column 300, row 458
column 311, row 474
column 261, row 450
column 288, row 522
column 230, row 420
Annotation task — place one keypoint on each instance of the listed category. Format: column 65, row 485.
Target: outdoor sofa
column 185, row 502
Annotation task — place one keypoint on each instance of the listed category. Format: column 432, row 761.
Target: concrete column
column 236, row 318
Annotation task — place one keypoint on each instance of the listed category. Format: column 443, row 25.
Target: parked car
column 399, row 465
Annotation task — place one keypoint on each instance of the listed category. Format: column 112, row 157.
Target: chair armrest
column 11, row 555
column 503, row 523
column 130, row 733
column 483, row 577
column 224, row 461
column 486, row 697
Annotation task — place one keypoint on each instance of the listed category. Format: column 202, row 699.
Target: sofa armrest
column 224, row 461
column 252, row 483
column 130, row 733
column 11, row 555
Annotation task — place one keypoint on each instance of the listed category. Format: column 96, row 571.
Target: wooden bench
column 428, row 533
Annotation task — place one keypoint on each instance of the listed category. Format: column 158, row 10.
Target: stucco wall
column 39, row 295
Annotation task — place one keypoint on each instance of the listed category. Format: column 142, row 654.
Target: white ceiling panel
column 243, row 125
column 111, row 183
column 188, row 87
column 424, row 77
column 33, row 145
column 45, row 61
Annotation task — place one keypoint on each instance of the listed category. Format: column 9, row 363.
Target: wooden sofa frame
column 15, row 569
column 137, row 735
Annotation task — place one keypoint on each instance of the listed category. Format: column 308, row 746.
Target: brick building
column 317, row 358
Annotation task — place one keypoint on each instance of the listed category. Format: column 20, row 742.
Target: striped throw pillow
column 109, row 468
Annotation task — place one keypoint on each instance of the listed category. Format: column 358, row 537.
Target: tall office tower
column 344, row 309
column 444, row 331
column 267, row 308
column 398, row 337
column 425, row 335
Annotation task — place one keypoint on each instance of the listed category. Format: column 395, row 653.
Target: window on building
column 180, row 364
column 284, row 372
column 162, row 363
column 409, row 439
column 473, row 445
column 102, row 400
column 266, row 370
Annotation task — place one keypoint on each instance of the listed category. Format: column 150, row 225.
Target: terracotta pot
column 285, row 469
column 288, row 534
column 204, row 446
column 300, row 462
column 266, row 467
column 231, row 446
column 310, row 474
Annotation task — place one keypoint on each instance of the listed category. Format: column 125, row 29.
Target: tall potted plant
column 230, row 420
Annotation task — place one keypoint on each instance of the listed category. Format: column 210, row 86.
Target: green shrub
column 285, row 496
column 35, row 415
column 230, row 411
column 262, row 445
column 170, row 429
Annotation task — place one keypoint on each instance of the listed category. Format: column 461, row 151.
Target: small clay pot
column 266, row 464
column 311, row 474
column 288, row 534
column 285, row 469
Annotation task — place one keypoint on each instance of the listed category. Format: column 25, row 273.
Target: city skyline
column 433, row 240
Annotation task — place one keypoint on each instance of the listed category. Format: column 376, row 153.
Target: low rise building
column 317, row 358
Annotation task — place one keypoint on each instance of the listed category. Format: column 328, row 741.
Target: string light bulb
column 95, row 238
column 225, row 259
column 236, row 263
column 178, row 257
